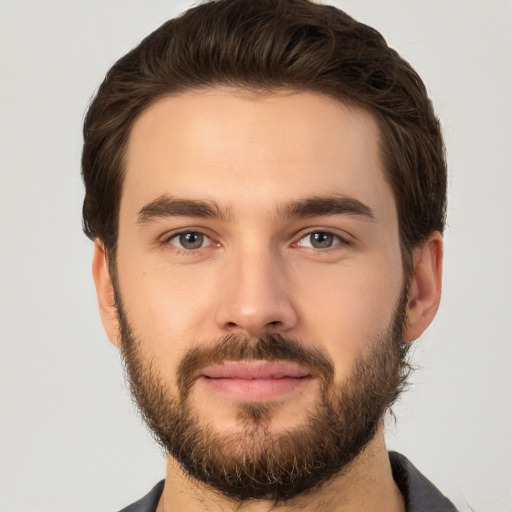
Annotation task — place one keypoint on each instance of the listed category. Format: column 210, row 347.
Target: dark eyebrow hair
column 329, row 205
column 168, row 206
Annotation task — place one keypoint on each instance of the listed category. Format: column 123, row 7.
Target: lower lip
column 255, row 389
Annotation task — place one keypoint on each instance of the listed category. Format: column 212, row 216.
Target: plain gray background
column 69, row 438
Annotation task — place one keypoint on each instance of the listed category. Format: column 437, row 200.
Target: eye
column 189, row 240
column 320, row 240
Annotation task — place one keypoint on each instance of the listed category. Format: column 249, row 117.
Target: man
column 266, row 189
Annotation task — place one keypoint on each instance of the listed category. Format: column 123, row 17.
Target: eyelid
column 167, row 237
column 341, row 235
column 343, row 240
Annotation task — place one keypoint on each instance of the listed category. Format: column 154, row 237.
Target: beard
column 257, row 462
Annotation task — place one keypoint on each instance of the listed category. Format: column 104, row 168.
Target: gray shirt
column 419, row 493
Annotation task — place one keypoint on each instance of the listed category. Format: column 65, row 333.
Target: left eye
column 319, row 240
column 190, row 240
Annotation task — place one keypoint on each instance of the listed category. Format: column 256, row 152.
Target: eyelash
column 187, row 252
column 341, row 241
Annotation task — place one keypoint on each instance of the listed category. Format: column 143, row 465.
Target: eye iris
column 191, row 240
column 321, row 240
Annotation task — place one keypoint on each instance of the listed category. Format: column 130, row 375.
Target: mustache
column 271, row 347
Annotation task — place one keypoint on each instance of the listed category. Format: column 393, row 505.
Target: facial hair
column 255, row 462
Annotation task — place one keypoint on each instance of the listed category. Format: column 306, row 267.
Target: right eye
column 189, row 240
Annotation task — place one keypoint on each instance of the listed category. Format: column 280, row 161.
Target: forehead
column 252, row 150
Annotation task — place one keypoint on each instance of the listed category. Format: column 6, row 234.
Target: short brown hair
column 269, row 45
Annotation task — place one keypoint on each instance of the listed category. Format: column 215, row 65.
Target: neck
column 367, row 484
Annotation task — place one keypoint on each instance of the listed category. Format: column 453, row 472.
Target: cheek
column 168, row 309
column 347, row 309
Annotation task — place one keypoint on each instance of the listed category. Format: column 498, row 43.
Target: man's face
column 251, row 222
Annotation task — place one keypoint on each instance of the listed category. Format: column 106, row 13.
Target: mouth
column 255, row 380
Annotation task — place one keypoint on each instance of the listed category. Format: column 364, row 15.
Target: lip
column 252, row 370
column 255, row 380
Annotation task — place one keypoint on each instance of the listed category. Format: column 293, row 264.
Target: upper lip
column 250, row 370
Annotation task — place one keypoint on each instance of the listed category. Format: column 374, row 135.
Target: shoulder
column 149, row 502
column 420, row 494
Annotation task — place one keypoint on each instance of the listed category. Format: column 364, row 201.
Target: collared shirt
column 419, row 493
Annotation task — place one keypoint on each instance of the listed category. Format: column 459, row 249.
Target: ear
column 425, row 289
column 105, row 293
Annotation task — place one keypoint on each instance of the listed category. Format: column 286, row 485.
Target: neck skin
column 367, row 485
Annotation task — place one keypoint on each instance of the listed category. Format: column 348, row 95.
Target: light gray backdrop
column 70, row 440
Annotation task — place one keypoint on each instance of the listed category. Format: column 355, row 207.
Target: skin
column 257, row 271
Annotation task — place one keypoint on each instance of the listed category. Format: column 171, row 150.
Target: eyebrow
column 168, row 206
column 325, row 205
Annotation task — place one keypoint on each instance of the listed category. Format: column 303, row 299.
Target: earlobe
column 425, row 289
column 105, row 293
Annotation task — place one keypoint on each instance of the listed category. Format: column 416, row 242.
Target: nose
column 254, row 295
